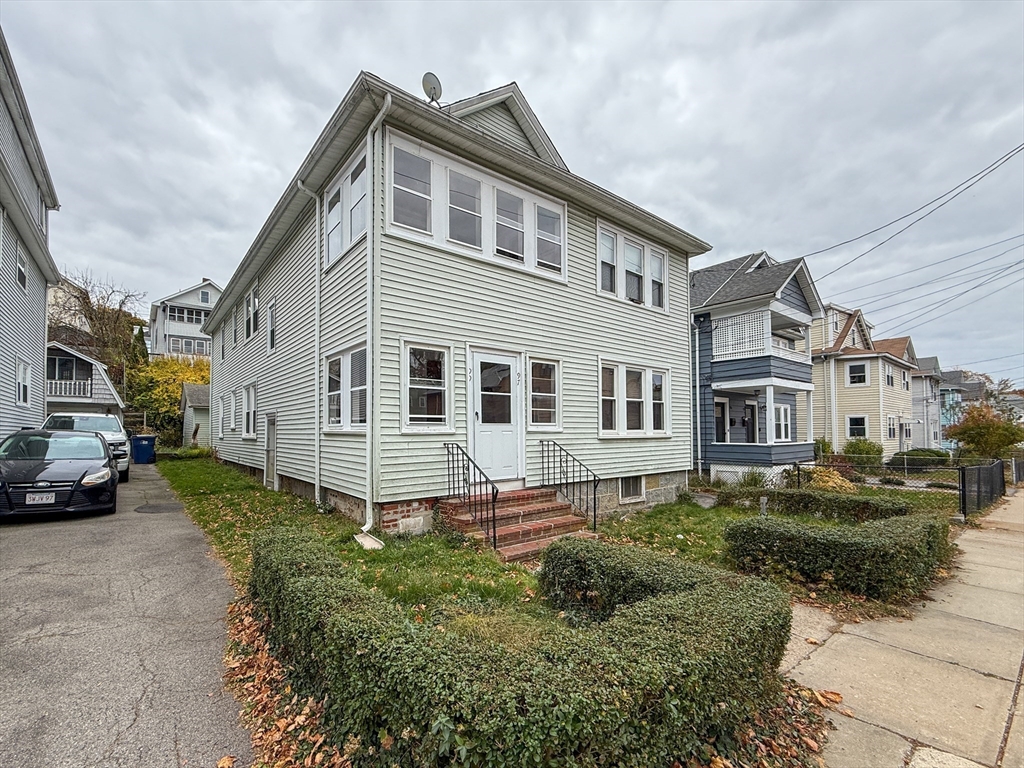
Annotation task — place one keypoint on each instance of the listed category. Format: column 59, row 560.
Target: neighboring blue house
column 752, row 359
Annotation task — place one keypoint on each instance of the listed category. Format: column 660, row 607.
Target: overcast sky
column 170, row 130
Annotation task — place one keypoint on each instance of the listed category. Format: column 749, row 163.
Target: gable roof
column 165, row 299
column 370, row 99
column 900, row 347
column 753, row 276
column 101, row 368
column 510, row 98
column 196, row 395
column 928, row 366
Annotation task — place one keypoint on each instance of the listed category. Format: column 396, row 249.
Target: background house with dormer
column 78, row 383
column 176, row 321
column 435, row 293
column 752, row 362
column 26, row 267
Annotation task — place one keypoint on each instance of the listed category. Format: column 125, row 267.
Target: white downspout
column 364, row 538
column 696, row 389
column 316, row 344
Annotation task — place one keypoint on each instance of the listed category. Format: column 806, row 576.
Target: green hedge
column 649, row 685
column 884, row 559
column 827, row 506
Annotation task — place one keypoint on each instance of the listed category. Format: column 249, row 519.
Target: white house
column 175, row 321
column 435, row 286
column 26, row 266
column 195, row 415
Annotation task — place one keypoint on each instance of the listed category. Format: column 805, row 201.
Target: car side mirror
column 129, row 433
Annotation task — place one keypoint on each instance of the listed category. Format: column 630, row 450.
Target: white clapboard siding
column 499, row 121
column 22, row 333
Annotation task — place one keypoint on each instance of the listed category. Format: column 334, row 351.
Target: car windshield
column 35, row 447
column 83, row 423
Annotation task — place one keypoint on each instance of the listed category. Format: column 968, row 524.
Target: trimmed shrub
column 944, row 486
column 863, row 452
column 918, row 460
column 884, row 559
column 827, row 506
column 890, row 480
column 651, row 684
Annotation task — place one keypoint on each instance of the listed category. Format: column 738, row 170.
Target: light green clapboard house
column 435, row 286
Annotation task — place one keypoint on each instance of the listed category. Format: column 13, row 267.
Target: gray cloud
column 171, row 129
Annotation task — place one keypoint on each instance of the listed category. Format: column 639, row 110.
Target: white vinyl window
column 234, row 326
column 640, row 276
column 346, row 390
column 544, row 394
column 204, row 297
column 891, row 423
column 345, row 209
column 177, row 314
column 187, row 346
column 271, row 326
column 249, row 411
column 223, row 338
column 468, row 210
column 857, row 375
column 465, row 219
column 889, row 378
column 176, row 345
column 252, row 310
column 632, row 488
column 23, row 384
column 231, row 417
column 856, row 426
column 782, row 423
column 427, row 387
column 22, row 270
column 223, row 416
column 906, row 382
column 907, row 432
column 411, row 201
column 634, row 401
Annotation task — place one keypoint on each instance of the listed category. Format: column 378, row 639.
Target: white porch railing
column 780, row 348
column 69, row 388
column 742, row 336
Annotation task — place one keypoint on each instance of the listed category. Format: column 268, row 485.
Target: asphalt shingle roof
column 197, row 395
column 730, row 280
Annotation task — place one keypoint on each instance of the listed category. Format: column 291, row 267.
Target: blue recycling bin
column 144, row 449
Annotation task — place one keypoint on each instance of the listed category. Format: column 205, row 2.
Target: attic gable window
column 639, row 277
column 204, row 297
column 449, row 203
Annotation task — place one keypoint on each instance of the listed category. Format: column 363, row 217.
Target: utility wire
column 989, row 360
column 997, row 290
column 930, row 264
column 991, row 169
column 917, row 210
column 875, row 298
column 983, row 273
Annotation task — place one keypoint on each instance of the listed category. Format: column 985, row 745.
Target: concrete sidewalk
column 942, row 689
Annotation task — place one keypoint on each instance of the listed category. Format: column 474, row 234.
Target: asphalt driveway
column 111, row 640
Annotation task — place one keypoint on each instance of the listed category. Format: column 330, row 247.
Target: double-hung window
column 907, row 431
column 23, row 384
column 22, row 270
column 631, row 269
column 187, row 346
column 465, row 222
column 234, row 325
column 176, row 314
column 223, row 338
column 889, row 379
column 427, row 386
column 249, row 411
column 346, row 390
column 252, row 309
column 468, row 210
column 856, row 426
column 906, row 382
column 634, row 400
column 856, row 374
column 271, row 326
column 223, row 415
column 543, row 394
column 345, row 207
column 782, row 423
column 231, row 416
column 204, row 297
column 891, row 423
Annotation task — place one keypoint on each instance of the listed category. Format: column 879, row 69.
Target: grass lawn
column 919, row 501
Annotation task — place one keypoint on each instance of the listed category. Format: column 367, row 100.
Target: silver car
column 109, row 427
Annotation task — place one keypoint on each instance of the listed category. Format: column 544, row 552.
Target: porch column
column 809, row 394
column 769, row 417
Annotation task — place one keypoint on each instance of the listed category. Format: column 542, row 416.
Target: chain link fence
column 981, row 486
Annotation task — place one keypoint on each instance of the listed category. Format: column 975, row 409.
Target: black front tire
column 113, row 507
column 122, row 477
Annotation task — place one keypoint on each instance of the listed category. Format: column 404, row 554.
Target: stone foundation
column 662, row 488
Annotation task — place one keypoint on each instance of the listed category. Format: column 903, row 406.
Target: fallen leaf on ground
column 228, row 761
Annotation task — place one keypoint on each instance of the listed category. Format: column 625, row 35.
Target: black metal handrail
column 470, row 485
column 573, row 479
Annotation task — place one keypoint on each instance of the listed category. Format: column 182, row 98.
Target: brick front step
column 511, row 515
column 530, row 550
column 520, row 497
column 532, row 529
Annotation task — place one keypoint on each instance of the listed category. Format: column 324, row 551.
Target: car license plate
column 40, row 498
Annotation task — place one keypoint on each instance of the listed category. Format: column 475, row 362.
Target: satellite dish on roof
column 432, row 87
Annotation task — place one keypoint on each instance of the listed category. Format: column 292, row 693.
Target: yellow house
column 862, row 387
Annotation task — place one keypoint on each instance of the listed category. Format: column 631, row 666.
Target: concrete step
column 530, row 550
column 532, row 529
column 464, row 522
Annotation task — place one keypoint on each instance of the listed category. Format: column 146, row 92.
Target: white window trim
column 557, row 426
column 223, row 416
column 621, row 236
column 270, row 321
column 714, row 433
column 633, row 499
column 170, row 345
column 250, row 397
column 441, row 162
column 867, row 373
column 449, row 391
column 783, row 418
column 343, row 181
column 19, row 383
column 21, row 265
column 234, row 408
column 892, row 428
column 906, row 381
column 251, row 310
column 201, row 299
column 620, row 431
column 890, row 376
column 867, row 426
column 346, row 425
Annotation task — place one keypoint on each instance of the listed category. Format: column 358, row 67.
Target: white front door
column 497, row 414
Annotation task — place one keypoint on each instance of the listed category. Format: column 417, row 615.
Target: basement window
column 631, row 488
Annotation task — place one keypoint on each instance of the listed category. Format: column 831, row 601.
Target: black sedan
column 43, row 471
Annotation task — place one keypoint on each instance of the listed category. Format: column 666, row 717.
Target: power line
column 983, row 273
column 901, row 218
column 991, row 169
column 997, row 290
column 990, row 359
column 930, row 264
